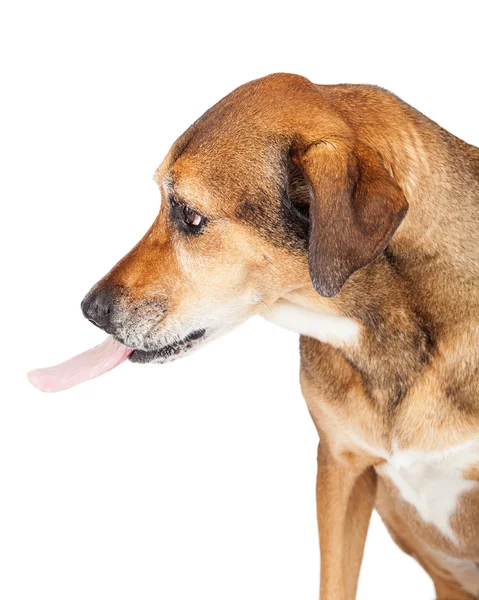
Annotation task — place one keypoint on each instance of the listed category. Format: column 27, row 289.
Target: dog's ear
column 355, row 208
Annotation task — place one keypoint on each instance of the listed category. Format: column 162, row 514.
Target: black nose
column 97, row 307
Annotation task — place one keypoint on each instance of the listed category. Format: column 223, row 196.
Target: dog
column 342, row 213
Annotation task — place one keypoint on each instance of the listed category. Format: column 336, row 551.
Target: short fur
column 348, row 189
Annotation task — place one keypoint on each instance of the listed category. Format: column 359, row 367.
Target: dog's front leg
column 346, row 491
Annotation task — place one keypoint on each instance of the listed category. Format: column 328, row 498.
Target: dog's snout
column 97, row 307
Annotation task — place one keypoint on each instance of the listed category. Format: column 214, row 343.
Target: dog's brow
column 167, row 182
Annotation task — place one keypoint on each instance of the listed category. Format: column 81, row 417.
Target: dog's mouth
column 106, row 356
column 169, row 352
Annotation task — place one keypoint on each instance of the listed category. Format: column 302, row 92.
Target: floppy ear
column 356, row 207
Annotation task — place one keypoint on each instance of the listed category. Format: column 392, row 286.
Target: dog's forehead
column 221, row 175
column 220, row 156
column 222, row 159
column 240, row 143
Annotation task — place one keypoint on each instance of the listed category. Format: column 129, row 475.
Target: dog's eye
column 192, row 217
column 185, row 217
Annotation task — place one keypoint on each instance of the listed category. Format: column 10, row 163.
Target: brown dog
column 344, row 214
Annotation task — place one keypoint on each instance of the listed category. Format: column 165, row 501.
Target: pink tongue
column 100, row 359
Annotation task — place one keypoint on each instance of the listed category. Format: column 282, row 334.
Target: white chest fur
column 433, row 482
column 327, row 328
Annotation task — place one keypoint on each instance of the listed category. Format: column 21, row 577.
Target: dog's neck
column 390, row 317
column 387, row 344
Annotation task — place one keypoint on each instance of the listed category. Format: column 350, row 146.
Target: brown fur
column 358, row 157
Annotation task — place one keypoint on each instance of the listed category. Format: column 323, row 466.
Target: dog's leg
column 346, row 490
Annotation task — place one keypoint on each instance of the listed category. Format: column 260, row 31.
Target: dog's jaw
column 172, row 351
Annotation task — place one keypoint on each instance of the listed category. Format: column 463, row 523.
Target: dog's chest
column 433, row 482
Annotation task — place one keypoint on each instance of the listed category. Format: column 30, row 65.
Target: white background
column 194, row 479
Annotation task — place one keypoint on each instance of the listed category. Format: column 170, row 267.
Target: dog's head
column 268, row 191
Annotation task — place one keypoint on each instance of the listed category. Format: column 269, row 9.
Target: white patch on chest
column 433, row 482
column 329, row 329
column 465, row 572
